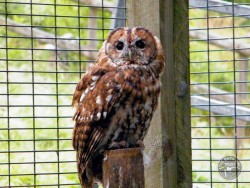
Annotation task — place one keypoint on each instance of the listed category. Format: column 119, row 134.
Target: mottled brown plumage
column 116, row 99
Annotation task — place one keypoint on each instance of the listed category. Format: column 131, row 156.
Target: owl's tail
column 86, row 179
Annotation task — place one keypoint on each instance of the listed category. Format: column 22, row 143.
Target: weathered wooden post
column 168, row 143
column 123, row 168
column 241, row 91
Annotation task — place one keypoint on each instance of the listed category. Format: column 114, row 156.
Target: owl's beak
column 128, row 53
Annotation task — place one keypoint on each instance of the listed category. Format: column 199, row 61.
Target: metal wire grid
column 45, row 46
column 219, row 52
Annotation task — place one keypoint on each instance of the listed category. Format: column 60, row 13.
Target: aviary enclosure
column 45, row 47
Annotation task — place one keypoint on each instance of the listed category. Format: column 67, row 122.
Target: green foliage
column 238, row 1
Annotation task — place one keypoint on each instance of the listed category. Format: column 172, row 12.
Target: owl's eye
column 140, row 44
column 119, row 45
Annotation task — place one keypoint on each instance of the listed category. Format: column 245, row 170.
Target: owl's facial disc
column 129, row 52
column 133, row 51
column 131, row 46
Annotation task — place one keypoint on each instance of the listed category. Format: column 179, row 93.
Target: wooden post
column 168, row 142
column 123, row 168
column 241, row 98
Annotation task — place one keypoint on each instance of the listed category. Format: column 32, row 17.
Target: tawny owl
column 115, row 100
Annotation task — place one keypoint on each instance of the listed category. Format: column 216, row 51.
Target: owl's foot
column 102, row 151
column 119, row 145
column 140, row 144
column 123, row 144
column 114, row 145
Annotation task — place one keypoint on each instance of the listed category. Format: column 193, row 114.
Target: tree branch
column 45, row 37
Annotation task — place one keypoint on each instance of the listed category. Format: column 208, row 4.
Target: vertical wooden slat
column 168, row 143
column 146, row 13
column 183, row 123
column 241, row 98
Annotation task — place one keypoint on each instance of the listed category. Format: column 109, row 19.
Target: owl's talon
column 123, row 144
column 140, row 144
column 114, row 145
column 102, row 151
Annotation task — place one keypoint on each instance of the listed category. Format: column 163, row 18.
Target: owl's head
column 131, row 46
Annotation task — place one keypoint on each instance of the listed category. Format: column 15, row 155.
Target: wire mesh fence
column 45, row 46
column 219, row 52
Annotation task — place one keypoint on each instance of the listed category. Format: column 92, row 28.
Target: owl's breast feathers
column 99, row 89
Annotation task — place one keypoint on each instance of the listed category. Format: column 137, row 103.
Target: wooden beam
column 241, row 97
column 222, row 7
column 214, row 93
column 221, row 41
column 168, row 143
column 181, row 82
column 222, row 108
column 123, row 168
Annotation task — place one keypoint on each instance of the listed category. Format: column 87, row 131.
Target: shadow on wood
column 123, row 168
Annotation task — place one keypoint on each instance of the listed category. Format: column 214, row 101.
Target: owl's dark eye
column 119, row 45
column 140, row 44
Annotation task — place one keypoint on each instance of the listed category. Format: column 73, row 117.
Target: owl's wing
column 95, row 96
column 90, row 77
